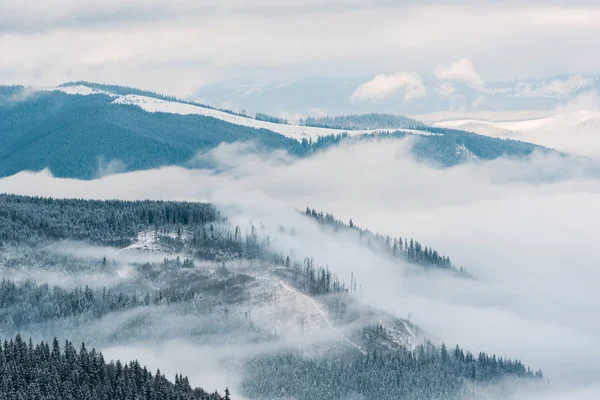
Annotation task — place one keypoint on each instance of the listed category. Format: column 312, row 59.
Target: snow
column 469, row 124
column 499, row 116
column 465, row 154
column 152, row 104
column 78, row 90
column 575, row 132
column 322, row 313
column 277, row 307
column 146, row 241
column 297, row 132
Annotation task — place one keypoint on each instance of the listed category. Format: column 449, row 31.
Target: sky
column 178, row 46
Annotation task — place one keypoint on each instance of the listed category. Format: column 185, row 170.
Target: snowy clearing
column 78, row 90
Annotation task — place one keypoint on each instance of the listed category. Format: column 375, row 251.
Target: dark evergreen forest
column 427, row 372
column 46, row 372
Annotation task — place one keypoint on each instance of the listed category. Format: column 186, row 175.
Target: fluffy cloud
column 459, row 71
column 383, row 86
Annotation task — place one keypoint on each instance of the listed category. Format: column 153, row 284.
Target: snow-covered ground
column 297, row 132
column 497, row 116
column 146, row 241
column 278, row 307
column 152, row 104
column 77, row 90
column 465, row 154
column 576, row 132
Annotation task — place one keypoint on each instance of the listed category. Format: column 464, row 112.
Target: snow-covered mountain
column 86, row 130
column 155, row 104
column 575, row 132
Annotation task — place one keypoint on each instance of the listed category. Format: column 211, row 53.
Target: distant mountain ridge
column 77, row 129
column 318, row 95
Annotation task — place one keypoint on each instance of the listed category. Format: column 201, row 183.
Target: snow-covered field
column 152, row 104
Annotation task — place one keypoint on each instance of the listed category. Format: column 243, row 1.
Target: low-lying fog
column 526, row 228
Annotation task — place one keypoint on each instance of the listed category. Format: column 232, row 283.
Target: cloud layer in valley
column 525, row 228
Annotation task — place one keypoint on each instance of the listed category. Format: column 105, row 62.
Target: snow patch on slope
column 153, row 104
column 465, row 154
column 297, row 132
column 78, row 90
column 146, row 241
column 277, row 308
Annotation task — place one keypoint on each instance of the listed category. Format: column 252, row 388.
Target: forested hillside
column 72, row 134
column 427, row 372
column 190, row 277
column 405, row 249
column 113, row 222
column 47, row 372
column 78, row 135
column 364, row 121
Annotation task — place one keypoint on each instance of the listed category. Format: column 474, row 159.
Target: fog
column 525, row 228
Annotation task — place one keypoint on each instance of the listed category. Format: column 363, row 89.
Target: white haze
column 526, row 229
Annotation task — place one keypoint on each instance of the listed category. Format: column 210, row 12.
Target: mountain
column 83, row 130
column 274, row 324
column 315, row 96
column 571, row 131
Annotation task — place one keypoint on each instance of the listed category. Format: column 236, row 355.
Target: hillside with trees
column 45, row 371
column 79, row 136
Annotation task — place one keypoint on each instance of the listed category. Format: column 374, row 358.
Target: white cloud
column 459, row 71
column 446, row 89
column 479, row 101
column 383, row 86
column 557, row 87
column 177, row 46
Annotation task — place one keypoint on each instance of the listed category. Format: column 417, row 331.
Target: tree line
column 24, row 303
column 110, row 222
column 426, row 372
column 407, row 249
column 46, row 372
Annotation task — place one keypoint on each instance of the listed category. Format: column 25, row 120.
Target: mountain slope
column 285, row 326
column 83, row 131
column 70, row 133
column 575, row 132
